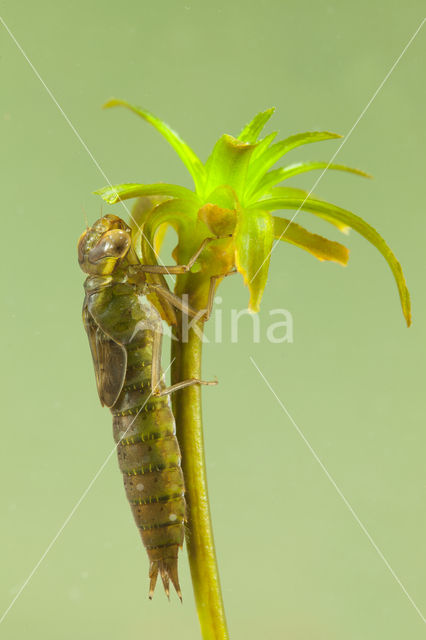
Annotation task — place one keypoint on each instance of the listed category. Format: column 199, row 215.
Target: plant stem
column 199, row 533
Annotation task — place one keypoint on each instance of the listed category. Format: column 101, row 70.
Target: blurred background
column 294, row 561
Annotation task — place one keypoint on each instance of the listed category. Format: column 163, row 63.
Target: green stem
column 186, row 358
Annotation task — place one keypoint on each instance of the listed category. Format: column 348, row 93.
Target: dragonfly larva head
column 104, row 245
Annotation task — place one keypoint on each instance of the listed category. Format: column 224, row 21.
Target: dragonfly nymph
column 125, row 334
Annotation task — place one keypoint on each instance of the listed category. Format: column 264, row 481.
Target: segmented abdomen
column 149, row 458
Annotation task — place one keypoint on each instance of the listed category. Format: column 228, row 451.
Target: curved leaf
column 302, row 167
column 320, row 247
column 293, row 192
column 140, row 212
column 283, row 173
column 178, row 214
column 332, row 213
column 288, row 192
column 254, row 235
column 113, row 194
column 277, row 150
column 252, row 130
column 184, row 151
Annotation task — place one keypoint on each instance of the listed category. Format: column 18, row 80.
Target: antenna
column 85, row 217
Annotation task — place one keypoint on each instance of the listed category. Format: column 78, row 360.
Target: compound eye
column 113, row 244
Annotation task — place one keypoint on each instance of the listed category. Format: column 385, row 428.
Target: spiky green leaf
column 293, row 192
column 114, row 193
column 271, row 155
column 254, row 235
column 332, row 213
column 184, row 151
column 302, row 167
column 251, row 131
column 262, row 145
column 283, row 173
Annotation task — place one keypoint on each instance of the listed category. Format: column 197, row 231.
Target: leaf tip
column 406, row 309
column 344, row 258
column 112, row 102
column 253, row 306
column 108, row 194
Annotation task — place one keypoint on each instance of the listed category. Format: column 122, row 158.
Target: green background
column 294, row 562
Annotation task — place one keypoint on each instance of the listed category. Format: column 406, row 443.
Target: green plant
column 234, row 195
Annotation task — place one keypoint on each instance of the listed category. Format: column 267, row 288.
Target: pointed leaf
column 254, row 235
column 292, row 192
column 333, row 213
column 283, row 173
column 228, row 164
column 113, row 194
column 252, row 130
column 184, row 151
column 262, row 145
column 288, row 192
column 320, row 247
column 277, row 150
column 302, row 167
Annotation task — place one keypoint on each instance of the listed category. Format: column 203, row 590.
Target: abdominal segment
column 149, row 459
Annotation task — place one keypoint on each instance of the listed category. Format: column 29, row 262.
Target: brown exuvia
column 125, row 331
